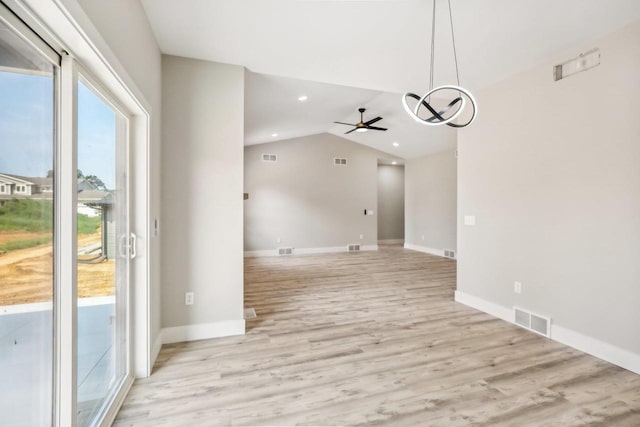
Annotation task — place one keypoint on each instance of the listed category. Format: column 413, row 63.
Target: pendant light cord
column 453, row 40
column 433, row 44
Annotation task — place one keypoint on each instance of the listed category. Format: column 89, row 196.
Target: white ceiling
column 381, row 45
column 273, row 107
column 351, row 53
column 414, row 140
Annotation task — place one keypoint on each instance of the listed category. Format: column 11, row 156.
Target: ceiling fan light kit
column 452, row 111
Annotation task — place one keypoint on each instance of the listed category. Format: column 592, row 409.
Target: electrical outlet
column 278, row 240
column 423, row 237
column 517, row 287
column 361, row 236
column 189, row 298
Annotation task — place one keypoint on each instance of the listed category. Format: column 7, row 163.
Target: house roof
column 17, row 179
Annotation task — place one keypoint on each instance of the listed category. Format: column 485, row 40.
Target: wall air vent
column 285, row 251
column 450, row 253
column 339, row 162
column 533, row 322
column 354, row 247
column 582, row 62
column 270, row 158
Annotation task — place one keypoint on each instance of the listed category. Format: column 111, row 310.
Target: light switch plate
column 189, row 298
column 517, row 287
column 469, row 220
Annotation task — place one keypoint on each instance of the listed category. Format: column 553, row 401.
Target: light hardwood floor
column 376, row 338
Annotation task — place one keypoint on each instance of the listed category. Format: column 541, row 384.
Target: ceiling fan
column 362, row 126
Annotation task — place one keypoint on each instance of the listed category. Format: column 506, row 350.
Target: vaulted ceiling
column 381, row 46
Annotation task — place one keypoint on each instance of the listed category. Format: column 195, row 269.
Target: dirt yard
column 26, row 275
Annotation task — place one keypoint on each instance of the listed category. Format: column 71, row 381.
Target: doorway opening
column 390, row 202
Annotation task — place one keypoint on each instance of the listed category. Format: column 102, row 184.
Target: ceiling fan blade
column 354, row 129
column 343, row 123
column 375, row 128
column 372, row 121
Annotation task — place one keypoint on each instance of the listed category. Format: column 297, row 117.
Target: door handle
column 134, row 242
column 122, row 246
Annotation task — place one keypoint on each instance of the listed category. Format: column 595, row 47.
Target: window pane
column 27, row 85
column 102, row 254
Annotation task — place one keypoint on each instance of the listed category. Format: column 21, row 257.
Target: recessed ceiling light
column 395, row 144
column 303, row 98
column 274, row 134
column 394, row 163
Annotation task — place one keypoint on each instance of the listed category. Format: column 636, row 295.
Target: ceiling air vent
column 339, row 162
column 270, row 158
column 450, row 253
column 354, row 247
column 285, row 251
column 533, row 322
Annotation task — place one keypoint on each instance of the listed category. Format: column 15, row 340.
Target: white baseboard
column 600, row 349
column 491, row 308
column 203, row 331
column 305, row 251
column 155, row 350
column 390, row 241
column 268, row 252
column 425, row 249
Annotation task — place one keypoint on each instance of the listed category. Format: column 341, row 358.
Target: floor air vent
column 533, row 322
column 450, row 254
column 354, row 247
column 285, row 251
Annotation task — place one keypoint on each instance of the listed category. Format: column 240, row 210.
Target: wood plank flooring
column 375, row 338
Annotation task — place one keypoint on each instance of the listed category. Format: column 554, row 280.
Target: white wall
column 431, row 202
column 390, row 202
column 551, row 170
column 304, row 199
column 202, row 162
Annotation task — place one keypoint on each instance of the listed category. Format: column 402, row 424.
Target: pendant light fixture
column 448, row 114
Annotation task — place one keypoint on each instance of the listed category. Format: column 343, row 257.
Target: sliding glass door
column 60, row 308
column 27, row 196
column 104, row 249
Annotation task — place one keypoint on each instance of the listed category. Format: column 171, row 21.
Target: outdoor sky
column 26, row 129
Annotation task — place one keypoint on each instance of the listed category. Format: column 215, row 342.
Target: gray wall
column 203, row 137
column 431, row 202
column 551, row 170
column 390, row 202
column 304, row 199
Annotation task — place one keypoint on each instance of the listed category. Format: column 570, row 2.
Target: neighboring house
column 91, row 201
column 18, row 187
column 14, row 185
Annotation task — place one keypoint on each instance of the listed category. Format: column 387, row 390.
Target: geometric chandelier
column 446, row 115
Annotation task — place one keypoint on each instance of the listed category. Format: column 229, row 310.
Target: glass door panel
column 103, row 254
column 27, row 114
